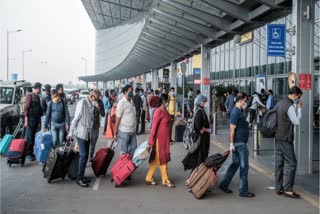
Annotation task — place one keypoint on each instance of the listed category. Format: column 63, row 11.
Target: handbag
column 193, row 145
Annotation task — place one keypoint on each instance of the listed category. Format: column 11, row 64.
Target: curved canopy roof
column 175, row 29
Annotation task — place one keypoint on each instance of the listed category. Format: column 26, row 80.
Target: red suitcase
column 17, row 152
column 102, row 160
column 122, row 169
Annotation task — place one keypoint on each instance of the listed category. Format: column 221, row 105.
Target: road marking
column 309, row 197
column 96, row 184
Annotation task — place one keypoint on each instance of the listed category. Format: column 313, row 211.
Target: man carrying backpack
column 32, row 118
column 288, row 115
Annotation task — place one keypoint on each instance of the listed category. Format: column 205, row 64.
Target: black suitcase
column 179, row 133
column 57, row 162
column 73, row 167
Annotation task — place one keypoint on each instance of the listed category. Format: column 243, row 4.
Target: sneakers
column 82, row 183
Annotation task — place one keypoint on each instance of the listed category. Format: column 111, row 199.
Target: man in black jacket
column 138, row 105
column 288, row 116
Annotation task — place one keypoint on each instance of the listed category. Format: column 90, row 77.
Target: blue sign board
column 196, row 71
column 14, row 77
column 276, row 40
column 180, row 83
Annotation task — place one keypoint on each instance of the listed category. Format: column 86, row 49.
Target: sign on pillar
column 276, row 44
column 205, row 75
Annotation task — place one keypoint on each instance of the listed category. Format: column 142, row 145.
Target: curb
column 309, row 197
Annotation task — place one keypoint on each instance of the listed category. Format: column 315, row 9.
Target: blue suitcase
column 42, row 146
column 5, row 144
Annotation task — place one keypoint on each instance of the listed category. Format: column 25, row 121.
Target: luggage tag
column 42, row 146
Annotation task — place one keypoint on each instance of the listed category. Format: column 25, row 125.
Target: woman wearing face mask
column 81, row 126
column 202, row 130
column 160, row 141
column 59, row 117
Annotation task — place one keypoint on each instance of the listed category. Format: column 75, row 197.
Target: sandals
column 291, row 195
column 247, row 194
column 170, row 185
column 151, row 183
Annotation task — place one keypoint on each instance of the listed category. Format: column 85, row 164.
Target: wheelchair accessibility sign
column 276, row 40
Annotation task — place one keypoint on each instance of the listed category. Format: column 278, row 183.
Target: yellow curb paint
column 310, row 198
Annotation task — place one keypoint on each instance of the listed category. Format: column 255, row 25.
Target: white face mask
column 167, row 104
column 94, row 103
column 245, row 105
column 172, row 93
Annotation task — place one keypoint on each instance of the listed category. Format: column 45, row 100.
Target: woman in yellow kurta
column 160, row 141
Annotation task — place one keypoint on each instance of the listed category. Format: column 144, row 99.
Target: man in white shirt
column 288, row 116
column 126, row 122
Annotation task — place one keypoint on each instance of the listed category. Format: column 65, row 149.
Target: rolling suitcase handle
column 114, row 144
column 70, row 142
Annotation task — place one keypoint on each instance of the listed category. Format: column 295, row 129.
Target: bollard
column 255, row 140
column 214, row 125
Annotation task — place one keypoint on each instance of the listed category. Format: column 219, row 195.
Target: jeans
column 151, row 115
column 93, row 141
column 240, row 157
column 285, row 156
column 143, row 121
column 128, row 142
column 84, row 154
column 58, row 132
column 33, row 126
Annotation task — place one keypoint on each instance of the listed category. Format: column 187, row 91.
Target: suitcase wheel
column 111, row 180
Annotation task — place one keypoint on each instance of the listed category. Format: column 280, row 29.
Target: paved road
column 23, row 190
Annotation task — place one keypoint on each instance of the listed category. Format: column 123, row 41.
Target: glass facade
column 238, row 64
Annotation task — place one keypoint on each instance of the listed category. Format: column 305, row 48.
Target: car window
column 17, row 96
column 85, row 92
column 6, row 95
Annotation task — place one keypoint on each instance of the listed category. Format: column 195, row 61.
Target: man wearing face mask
column 288, row 116
column 172, row 106
column 98, row 110
column 81, row 127
column 239, row 134
column 126, row 122
column 60, row 89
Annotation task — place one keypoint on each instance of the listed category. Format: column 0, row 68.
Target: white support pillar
column 173, row 75
column 144, row 82
column 155, row 79
column 205, row 75
column 87, row 85
column 303, row 62
column 135, row 80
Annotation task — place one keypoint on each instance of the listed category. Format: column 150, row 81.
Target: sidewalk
column 264, row 162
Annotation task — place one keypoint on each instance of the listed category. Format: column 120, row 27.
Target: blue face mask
column 295, row 102
column 130, row 94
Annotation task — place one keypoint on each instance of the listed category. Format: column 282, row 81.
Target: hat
column 201, row 98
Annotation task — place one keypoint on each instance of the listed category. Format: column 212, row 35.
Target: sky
column 59, row 33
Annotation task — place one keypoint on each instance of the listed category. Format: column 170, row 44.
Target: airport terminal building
column 222, row 42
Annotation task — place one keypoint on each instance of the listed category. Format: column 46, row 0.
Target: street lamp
column 8, row 33
column 23, row 52
column 86, row 61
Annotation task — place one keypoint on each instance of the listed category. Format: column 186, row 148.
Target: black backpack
column 268, row 124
